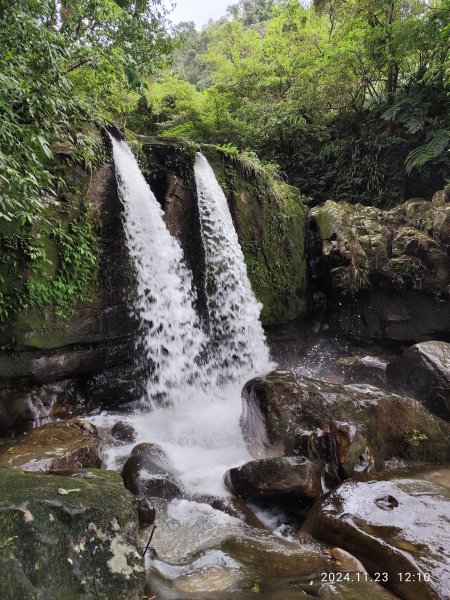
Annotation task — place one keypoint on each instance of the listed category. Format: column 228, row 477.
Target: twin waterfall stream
column 192, row 403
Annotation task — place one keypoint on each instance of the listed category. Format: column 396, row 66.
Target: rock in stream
column 349, row 428
column 397, row 527
column 68, row 537
column 423, row 371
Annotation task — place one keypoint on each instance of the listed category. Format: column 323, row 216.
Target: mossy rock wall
column 386, row 272
column 269, row 216
column 270, row 219
column 66, row 283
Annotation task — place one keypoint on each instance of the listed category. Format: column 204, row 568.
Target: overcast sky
column 199, row 11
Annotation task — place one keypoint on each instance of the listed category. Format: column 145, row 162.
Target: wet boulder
column 367, row 369
column 234, row 507
column 382, row 523
column 146, row 472
column 63, row 445
column 123, row 432
column 68, row 537
column 193, row 538
column 341, row 450
column 423, row 371
column 286, row 414
column 275, row 479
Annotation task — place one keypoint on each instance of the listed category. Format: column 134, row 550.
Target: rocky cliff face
column 269, row 216
column 57, row 357
column 389, row 270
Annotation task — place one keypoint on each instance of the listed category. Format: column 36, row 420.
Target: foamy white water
column 238, row 341
column 171, row 335
column 199, row 427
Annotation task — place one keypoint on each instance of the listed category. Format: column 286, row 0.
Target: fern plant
column 413, row 113
column 437, row 141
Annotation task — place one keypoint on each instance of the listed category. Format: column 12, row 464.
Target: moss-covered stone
column 401, row 248
column 68, row 538
column 61, row 445
column 281, row 410
column 65, row 286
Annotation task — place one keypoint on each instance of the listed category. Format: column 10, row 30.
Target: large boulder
column 64, row 445
column 68, row 537
column 397, row 528
column 423, row 371
column 147, row 472
column 272, row 479
column 350, row 428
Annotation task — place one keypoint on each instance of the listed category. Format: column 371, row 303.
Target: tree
column 63, row 65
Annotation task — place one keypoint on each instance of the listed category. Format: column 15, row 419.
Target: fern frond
column 437, row 142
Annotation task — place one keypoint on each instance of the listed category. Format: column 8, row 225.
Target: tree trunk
column 392, row 70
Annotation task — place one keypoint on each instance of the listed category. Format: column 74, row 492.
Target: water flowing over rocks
column 287, row 414
column 145, row 472
column 192, row 538
column 67, row 537
column 235, row 507
column 423, row 371
column 397, row 527
column 270, row 224
column 237, row 337
column 63, row 445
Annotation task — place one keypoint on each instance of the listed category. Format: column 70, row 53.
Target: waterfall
column 171, row 335
column 198, row 424
column 237, row 337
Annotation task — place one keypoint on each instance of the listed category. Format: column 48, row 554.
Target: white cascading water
column 237, row 337
column 171, row 334
column 198, row 425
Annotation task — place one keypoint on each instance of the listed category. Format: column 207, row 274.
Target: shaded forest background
column 348, row 98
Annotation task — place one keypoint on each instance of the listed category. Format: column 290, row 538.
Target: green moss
column 270, row 220
column 50, row 262
column 157, row 157
column 407, row 272
column 58, row 546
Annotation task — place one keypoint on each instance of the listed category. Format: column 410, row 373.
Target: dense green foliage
column 349, row 98
column 66, row 68
column 64, row 65
column 49, row 263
